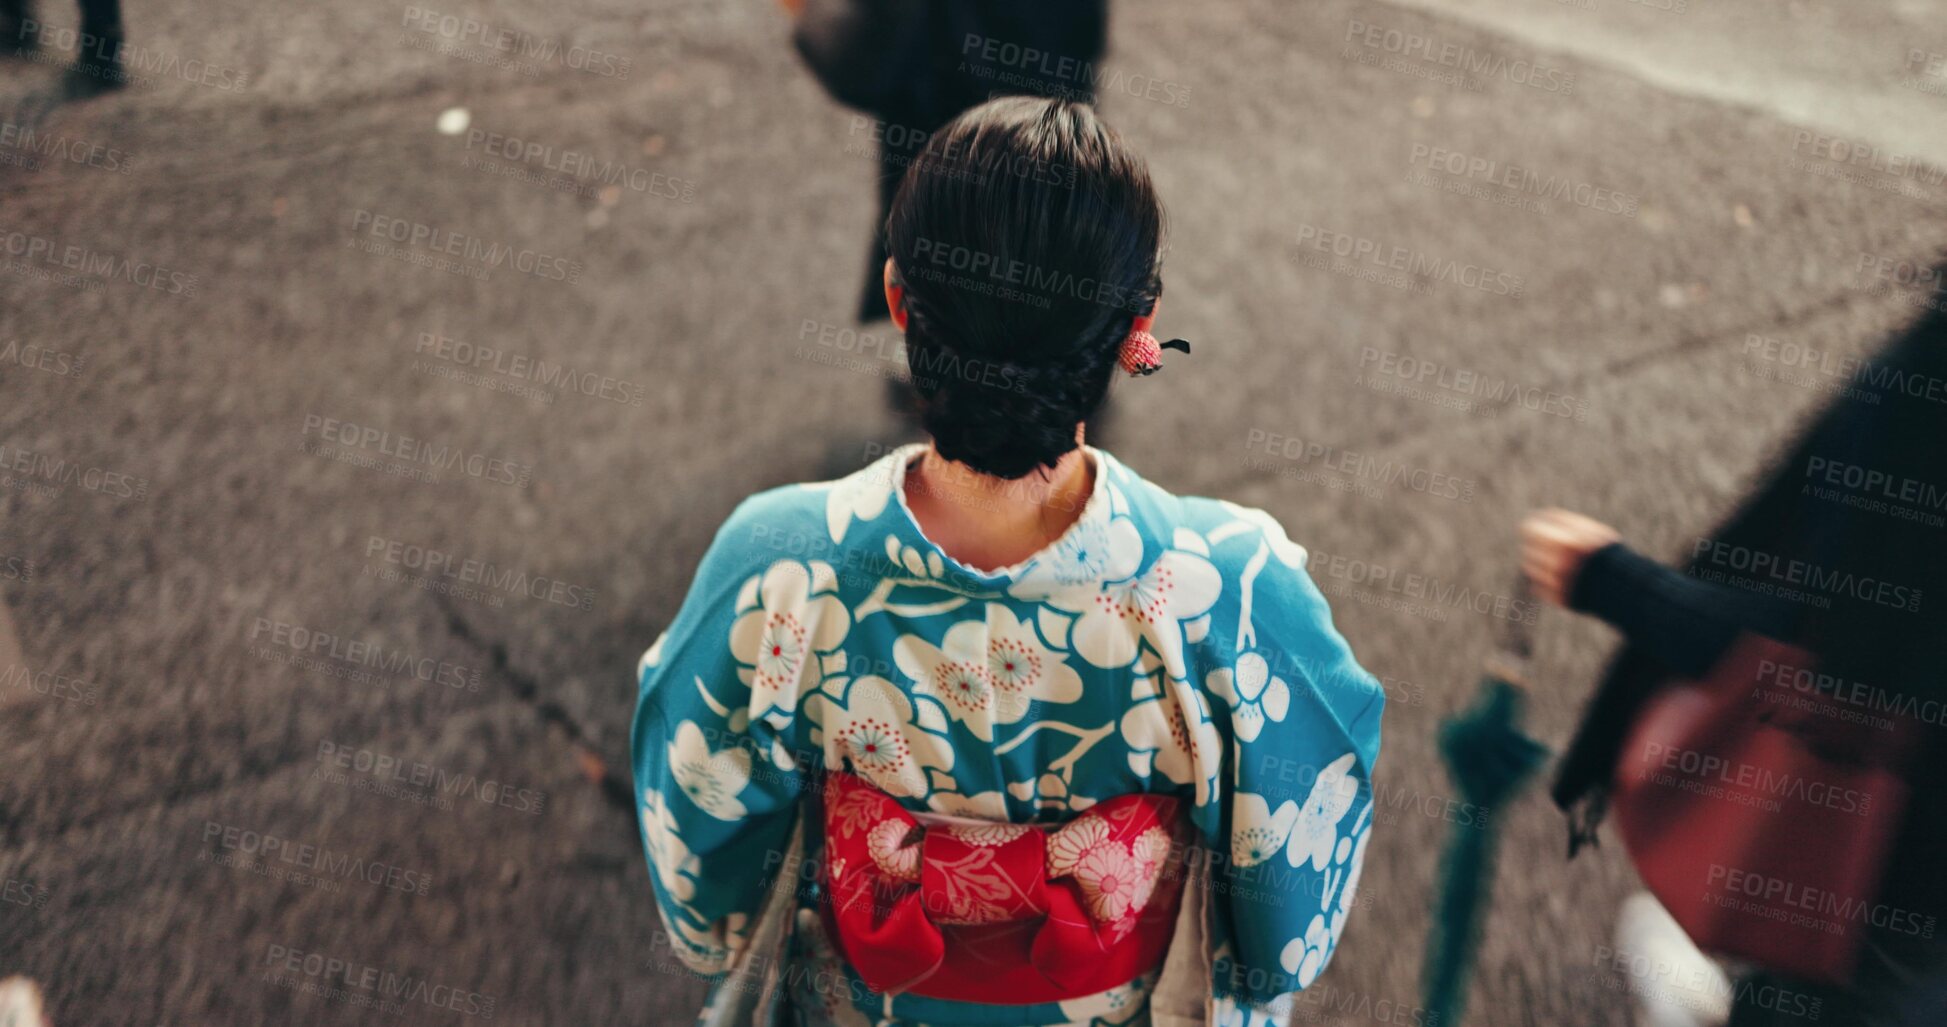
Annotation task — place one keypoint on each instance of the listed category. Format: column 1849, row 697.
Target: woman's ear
column 1145, row 322
column 895, row 297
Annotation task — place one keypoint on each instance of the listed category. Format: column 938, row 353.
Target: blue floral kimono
column 1162, row 644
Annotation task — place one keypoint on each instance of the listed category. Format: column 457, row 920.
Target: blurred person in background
column 914, row 67
column 1009, row 734
column 98, row 58
column 1859, row 500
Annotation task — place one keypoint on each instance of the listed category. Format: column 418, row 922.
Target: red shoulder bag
column 1760, row 804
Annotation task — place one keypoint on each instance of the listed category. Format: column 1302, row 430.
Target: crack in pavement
column 619, row 793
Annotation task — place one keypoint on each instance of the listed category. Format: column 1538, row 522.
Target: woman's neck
column 987, row 522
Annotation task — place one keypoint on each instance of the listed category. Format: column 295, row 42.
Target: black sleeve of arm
column 1683, row 623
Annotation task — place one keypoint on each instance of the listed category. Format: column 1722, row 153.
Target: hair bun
column 1000, row 417
column 1028, row 237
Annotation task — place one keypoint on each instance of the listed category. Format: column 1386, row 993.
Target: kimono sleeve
column 1302, row 739
column 716, row 765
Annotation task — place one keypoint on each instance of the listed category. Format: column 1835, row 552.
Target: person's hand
column 1554, row 545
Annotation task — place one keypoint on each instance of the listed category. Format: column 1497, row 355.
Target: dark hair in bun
column 1028, row 236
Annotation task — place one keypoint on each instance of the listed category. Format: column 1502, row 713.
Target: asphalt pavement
column 305, row 226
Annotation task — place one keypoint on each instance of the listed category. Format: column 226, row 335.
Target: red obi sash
column 1004, row 914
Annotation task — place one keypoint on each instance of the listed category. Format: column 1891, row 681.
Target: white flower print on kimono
column 1354, row 856
column 870, row 726
column 987, row 672
column 786, row 619
column 1253, row 693
column 1115, row 616
column 1308, row 834
column 1111, row 1008
column 675, row 867
column 1316, row 832
column 1306, row 955
column 1256, row 833
column 1093, row 549
column 712, row 780
column 1289, row 553
column 706, row 948
column 862, row 496
column 1164, row 738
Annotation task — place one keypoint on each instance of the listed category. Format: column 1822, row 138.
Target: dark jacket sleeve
column 1683, row 623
